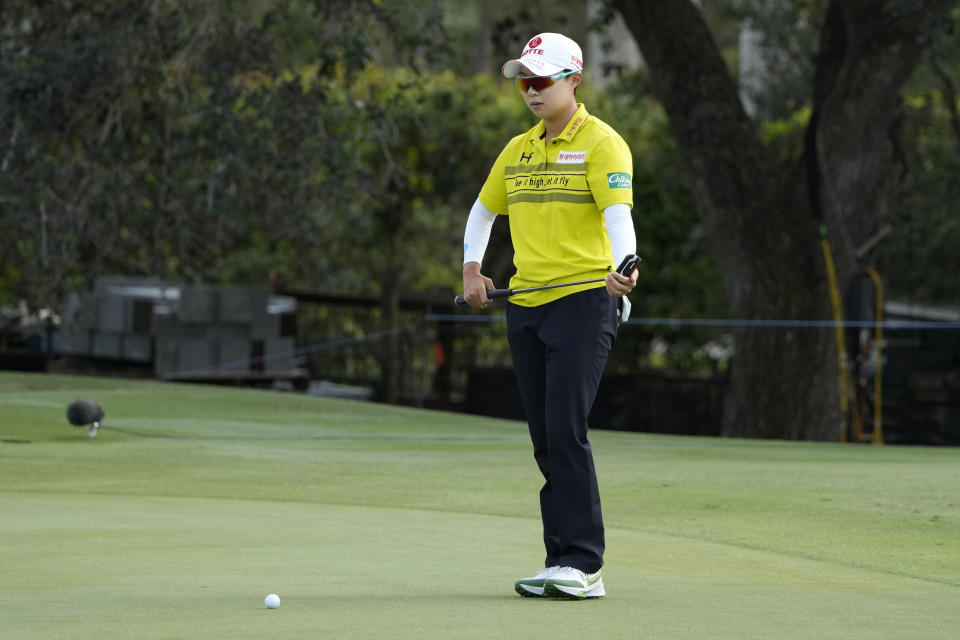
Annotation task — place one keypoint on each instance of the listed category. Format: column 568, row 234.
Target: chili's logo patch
column 618, row 180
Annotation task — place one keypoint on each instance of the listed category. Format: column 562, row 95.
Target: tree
column 203, row 142
column 195, row 141
column 414, row 174
column 762, row 221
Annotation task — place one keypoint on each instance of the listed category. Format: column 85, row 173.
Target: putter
column 626, row 268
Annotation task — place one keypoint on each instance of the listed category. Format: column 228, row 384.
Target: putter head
column 623, row 309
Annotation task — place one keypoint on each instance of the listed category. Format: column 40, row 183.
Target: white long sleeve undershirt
column 623, row 238
column 616, row 217
column 477, row 234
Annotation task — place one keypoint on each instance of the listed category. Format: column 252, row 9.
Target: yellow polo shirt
column 555, row 196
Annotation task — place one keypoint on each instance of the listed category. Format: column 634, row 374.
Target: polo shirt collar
column 574, row 125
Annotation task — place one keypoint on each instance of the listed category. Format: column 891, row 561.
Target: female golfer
column 566, row 186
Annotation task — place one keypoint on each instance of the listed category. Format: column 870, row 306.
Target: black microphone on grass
column 85, row 412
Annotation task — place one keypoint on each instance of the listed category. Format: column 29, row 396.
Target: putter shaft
column 506, row 293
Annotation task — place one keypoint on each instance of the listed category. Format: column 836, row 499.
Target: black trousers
column 559, row 351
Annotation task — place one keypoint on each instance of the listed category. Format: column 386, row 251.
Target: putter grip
column 491, row 293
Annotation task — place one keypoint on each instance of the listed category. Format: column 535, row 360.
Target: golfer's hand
column 618, row 285
column 475, row 286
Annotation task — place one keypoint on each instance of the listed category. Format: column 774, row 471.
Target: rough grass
column 195, row 502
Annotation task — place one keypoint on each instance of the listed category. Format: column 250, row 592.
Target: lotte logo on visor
column 535, row 42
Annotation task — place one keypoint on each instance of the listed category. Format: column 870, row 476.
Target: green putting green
column 195, row 502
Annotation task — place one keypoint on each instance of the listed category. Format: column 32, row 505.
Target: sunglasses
column 539, row 83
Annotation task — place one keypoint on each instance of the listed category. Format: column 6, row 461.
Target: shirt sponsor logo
column 571, row 157
column 618, row 180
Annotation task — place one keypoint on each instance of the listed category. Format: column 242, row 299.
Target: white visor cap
column 546, row 54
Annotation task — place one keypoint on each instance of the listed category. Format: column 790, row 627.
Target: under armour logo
column 526, row 158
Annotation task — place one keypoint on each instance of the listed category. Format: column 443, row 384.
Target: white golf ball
column 272, row 601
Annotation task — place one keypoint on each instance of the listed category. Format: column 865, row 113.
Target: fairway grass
column 195, row 502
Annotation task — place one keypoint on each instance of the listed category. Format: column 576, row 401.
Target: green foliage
column 422, row 149
column 342, row 150
column 200, row 144
column 919, row 260
column 203, row 144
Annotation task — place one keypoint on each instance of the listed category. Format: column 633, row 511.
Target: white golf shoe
column 533, row 587
column 567, row 582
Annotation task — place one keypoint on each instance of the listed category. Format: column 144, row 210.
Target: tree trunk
column 390, row 355
column 866, row 56
column 391, row 284
column 762, row 224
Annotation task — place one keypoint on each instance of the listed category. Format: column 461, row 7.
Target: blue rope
column 728, row 322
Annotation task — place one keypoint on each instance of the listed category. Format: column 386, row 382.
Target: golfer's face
column 550, row 100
